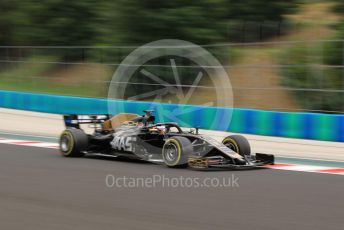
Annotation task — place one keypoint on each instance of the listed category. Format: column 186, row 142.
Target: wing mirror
column 194, row 131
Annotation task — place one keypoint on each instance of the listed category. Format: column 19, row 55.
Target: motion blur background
column 280, row 55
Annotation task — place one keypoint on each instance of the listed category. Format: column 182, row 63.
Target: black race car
column 139, row 137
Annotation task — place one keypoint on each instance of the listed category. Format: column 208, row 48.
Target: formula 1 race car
column 139, row 137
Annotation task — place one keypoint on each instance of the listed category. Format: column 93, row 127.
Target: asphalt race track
column 41, row 190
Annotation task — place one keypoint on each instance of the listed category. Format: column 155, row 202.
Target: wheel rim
column 171, row 153
column 65, row 143
column 231, row 146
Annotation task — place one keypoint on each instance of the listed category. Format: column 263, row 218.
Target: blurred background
column 280, row 55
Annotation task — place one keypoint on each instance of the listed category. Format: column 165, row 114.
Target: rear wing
column 74, row 121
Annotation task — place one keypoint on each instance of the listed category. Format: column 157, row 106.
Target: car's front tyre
column 238, row 144
column 176, row 151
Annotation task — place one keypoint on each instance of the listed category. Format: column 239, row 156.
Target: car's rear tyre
column 73, row 142
column 238, row 144
column 176, row 151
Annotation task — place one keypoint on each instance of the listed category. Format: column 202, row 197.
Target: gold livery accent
column 198, row 162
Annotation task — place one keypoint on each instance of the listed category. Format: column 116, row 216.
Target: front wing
column 258, row 160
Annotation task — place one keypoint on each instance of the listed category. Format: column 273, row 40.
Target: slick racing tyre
column 73, row 142
column 176, row 151
column 238, row 144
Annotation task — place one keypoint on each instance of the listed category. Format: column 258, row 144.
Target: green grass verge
column 31, row 76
